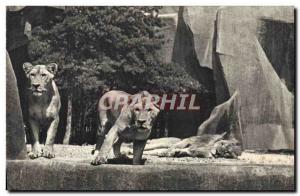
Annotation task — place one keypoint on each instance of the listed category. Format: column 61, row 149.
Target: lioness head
column 145, row 113
column 40, row 76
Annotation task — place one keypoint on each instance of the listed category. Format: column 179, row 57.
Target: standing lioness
column 43, row 108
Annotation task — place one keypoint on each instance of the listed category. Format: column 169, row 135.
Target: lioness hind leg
column 117, row 150
column 48, row 150
column 138, row 148
column 36, row 150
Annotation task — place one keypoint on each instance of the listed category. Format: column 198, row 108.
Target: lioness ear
column 52, row 67
column 145, row 93
column 27, row 67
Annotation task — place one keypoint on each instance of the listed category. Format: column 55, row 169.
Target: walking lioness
column 124, row 118
column 43, row 108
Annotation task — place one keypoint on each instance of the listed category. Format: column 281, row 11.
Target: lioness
column 43, row 108
column 206, row 146
column 131, row 119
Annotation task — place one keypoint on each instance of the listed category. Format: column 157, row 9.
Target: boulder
column 194, row 35
column 240, row 63
column 168, row 31
column 224, row 118
column 15, row 133
column 193, row 42
column 245, row 49
column 192, row 50
column 278, row 41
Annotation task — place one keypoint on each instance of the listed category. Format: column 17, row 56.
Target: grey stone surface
column 200, row 22
column 188, row 47
column 267, row 106
column 249, row 49
column 168, row 31
column 224, row 118
column 61, row 175
column 15, row 133
column 192, row 42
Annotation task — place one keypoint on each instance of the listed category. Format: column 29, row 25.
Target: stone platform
column 71, row 170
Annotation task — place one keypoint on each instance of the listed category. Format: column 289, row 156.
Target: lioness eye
column 149, row 109
column 43, row 75
column 32, row 74
column 137, row 109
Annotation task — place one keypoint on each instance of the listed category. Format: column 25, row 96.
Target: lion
column 202, row 146
column 128, row 120
column 205, row 146
column 43, row 108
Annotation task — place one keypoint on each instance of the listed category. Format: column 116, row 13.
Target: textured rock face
column 194, row 35
column 267, row 106
column 168, row 31
column 249, row 49
column 15, row 134
column 188, row 49
column 224, row 118
column 277, row 40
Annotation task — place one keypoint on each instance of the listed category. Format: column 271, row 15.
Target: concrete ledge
column 60, row 175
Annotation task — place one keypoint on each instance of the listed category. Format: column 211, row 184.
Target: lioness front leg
column 36, row 150
column 138, row 148
column 117, row 150
column 48, row 150
column 100, row 157
column 103, row 129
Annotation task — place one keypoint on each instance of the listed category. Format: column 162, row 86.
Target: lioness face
column 40, row 76
column 145, row 115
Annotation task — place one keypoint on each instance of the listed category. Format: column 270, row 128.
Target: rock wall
column 194, row 34
column 168, row 31
column 267, row 106
column 224, row 118
column 278, row 42
column 249, row 49
column 15, row 133
column 187, row 52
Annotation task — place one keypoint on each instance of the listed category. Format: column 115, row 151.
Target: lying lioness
column 43, row 108
column 206, row 146
column 131, row 118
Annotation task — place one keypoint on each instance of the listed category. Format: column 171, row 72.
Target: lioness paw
column 48, row 152
column 34, row 155
column 36, row 152
column 98, row 160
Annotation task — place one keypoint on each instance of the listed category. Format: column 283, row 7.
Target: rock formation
column 266, row 103
column 239, row 49
column 224, row 118
column 15, row 133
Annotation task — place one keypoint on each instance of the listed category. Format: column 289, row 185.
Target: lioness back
column 108, row 102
